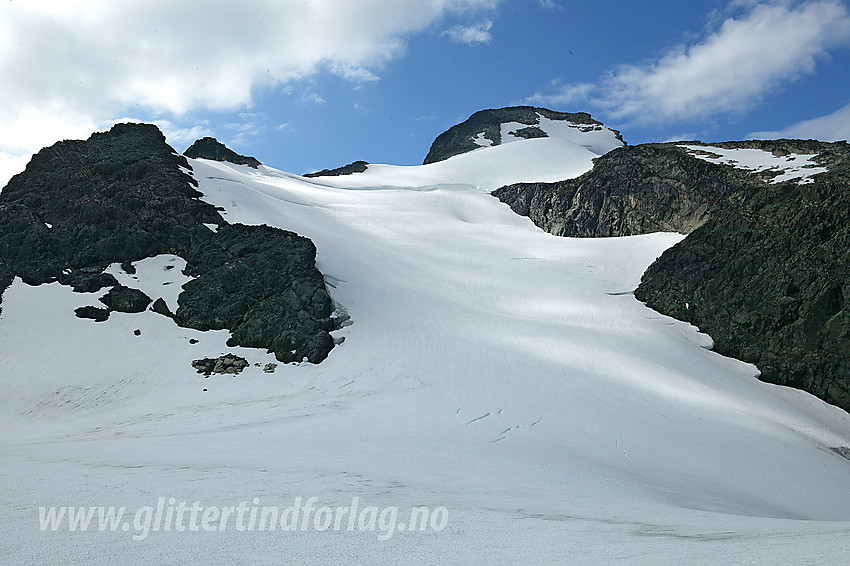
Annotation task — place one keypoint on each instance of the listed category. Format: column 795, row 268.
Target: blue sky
column 304, row 85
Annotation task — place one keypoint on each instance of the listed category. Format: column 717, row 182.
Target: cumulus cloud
column 354, row 74
column 70, row 67
column 729, row 70
column 565, row 96
column 832, row 127
column 476, row 34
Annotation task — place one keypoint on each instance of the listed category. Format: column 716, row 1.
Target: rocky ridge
column 631, row 190
column 350, row 169
column 125, row 195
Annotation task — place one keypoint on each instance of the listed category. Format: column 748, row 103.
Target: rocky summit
column 211, row 148
column 484, row 128
column 765, row 269
column 124, row 195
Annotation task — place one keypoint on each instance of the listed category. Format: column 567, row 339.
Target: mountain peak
column 211, row 148
column 492, row 127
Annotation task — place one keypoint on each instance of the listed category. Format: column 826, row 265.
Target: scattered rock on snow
column 94, row 313
column 842, row 451
column 160, row 307
column 228, row 363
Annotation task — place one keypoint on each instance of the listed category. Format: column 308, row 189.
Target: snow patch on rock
column 794, row 166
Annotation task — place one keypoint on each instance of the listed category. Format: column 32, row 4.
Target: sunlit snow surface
column 490, row 368
column 787, row 167
column 534, row 160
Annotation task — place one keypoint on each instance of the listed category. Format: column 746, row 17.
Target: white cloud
column 310, row 97
column 241, row 132
column 69, row 67
column 471, row 35
column 833, row 127
column 180, row 136
column 729, row 71
column 354, row 74
column 566, row 95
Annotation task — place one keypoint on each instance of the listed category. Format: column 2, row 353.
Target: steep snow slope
column 490, row 368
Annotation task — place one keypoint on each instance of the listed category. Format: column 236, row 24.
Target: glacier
column 503, row 373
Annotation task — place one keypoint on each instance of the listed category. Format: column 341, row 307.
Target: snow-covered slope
column 566, row 153
column 490, row 368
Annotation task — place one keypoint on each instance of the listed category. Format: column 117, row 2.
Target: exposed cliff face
column 766, row 268
column 485, row 128
column 211, row 148
column 631, row 190
column 121, row 196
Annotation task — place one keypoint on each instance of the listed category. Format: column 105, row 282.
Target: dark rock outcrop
column 765, row 269
column 769, row 280
column 228, row 363
column 94, row 313
column 124, row 299
column 120, row 197
column 460, row 138
column 351, row 168
column 160, row 307
column 211, row 148
column 260, row 283
column 632, row 190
